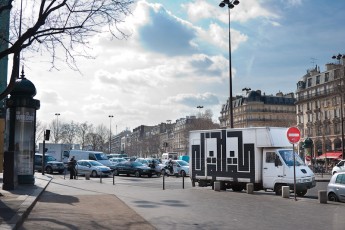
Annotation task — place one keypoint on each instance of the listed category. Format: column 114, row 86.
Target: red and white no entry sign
column 293, row 134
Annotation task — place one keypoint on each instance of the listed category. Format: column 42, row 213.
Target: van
column 117, row 155
column 169, row 155
column 91, row 155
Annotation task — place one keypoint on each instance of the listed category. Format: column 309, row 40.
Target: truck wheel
column 94, row 173
column 49, row 170
column 278, row 190
column 237, row 188
column 301, row 193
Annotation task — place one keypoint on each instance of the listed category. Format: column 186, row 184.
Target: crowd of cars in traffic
column 119, row 165
column 149, row 167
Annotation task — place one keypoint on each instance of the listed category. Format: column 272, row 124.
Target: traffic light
column 47, row 135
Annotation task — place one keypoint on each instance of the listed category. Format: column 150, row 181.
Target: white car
column 93, row 168
column 116, row 160
column 340, row 167
column 180, row 167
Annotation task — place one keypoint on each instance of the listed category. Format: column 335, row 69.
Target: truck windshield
column 101, row 156
column 287, row 156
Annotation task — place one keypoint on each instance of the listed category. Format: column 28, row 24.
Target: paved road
column 177, row 208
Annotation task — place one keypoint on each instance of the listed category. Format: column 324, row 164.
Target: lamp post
column 57, row 127
column 340, row 91
column 200, row 107
column 110, row 117
column 231, row 4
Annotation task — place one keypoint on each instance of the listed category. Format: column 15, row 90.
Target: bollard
column 113, row 179
column 285, row 191
column 100, row 178
column 163, row 181
column 250, row 188
column 87, row 176
column 216, row 186
column 322, row 196
column 182, row 181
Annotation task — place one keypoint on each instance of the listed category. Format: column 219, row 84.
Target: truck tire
column 278, row 189
column 49, row 170
column 301, row 193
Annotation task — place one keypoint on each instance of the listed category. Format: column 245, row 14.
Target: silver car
column 93, row 168
column 340, row 167
column 336, row 187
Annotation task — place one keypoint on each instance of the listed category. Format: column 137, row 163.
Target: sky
column 177, row 58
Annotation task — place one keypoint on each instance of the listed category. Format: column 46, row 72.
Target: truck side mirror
column 276, row 161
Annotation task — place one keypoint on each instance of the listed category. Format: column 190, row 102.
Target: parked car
column 93, row 168
column 180, row 167
column 336, row 187
column 150, row 162
column 133, row 168
column 340, row 167
column 116, row 160
column 51, row 164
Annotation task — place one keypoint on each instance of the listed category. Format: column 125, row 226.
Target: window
column 326, row 77
column 309, row 82
column 340, row 179
column 318, row 79
column 270, row 157
column 336, row 74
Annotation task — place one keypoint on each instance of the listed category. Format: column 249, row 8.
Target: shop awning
column 330, row 155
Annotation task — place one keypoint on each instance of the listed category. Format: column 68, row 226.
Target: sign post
column 293, row 135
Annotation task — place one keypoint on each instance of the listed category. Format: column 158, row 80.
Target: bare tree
column 49, row 25
column 69, row 132
column 83, row 130
column 54, row 132
column 40, row 128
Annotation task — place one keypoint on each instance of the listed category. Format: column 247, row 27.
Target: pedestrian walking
column 71, row 167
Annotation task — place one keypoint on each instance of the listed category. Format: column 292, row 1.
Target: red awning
column 330, row 155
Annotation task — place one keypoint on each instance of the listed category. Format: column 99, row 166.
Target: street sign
column 293, row 135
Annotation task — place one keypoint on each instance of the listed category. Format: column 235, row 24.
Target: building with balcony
column 319, row 105
column 257, row 110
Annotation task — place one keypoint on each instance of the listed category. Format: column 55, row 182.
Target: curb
column 26, row 207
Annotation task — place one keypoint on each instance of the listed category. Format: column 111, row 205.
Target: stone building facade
column 257, row 110
column 320, row 107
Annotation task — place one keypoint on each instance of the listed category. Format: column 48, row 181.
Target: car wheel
column 158, row 174
column 94, row 173
column 278, row 190
column 137, row 173
column 332, row 197
column 150, row 175
column 183, row 173
column 49, row 170
column 116, row 173
column 163, row 172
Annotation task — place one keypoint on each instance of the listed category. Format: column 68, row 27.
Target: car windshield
column 182, row 163
column 136, row 164
column 50, row 158
column 288, row 156
column 101, row 156
column 95, row 163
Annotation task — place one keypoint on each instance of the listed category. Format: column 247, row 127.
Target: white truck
column 234, row 157
column 58, row 151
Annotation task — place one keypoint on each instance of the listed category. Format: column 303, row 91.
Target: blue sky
column 177, row 58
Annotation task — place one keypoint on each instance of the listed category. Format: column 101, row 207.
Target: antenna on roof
column 313, row 60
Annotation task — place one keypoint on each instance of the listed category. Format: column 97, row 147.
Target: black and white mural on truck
column 222, row 154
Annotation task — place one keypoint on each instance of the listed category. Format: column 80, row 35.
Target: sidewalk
column 16, row 205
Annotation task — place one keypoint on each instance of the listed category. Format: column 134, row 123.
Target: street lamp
column 110, row 117
column 231, row 4
column 57, row 127
column 340, row 91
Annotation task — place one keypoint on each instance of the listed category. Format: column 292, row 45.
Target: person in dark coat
column 72, row 170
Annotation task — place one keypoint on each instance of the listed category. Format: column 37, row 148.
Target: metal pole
column 342, row 125
column 230, row 78
column 44, row 153
column 294, row 170
column 164, row 181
